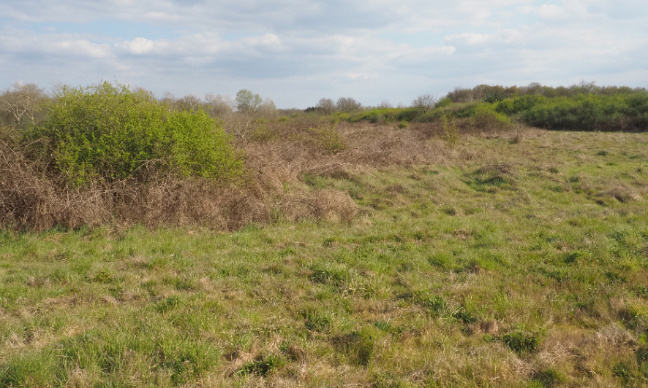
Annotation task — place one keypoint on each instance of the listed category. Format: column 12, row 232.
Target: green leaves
column 106, row 133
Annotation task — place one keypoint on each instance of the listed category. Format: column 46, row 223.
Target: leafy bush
column 514, row 106
column 591, row 112
column 485, row 117
column 107, row 133
column 443, row 103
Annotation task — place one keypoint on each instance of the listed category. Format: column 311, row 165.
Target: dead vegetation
column 279, row 154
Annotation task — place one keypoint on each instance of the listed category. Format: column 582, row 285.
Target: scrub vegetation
column 324, row 249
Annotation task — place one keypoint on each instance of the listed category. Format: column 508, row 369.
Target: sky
column 296, row 52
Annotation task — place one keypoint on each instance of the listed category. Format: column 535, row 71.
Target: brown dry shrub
column 329, row 205
column 32, row 198
column 190, row 202
column 29, row 199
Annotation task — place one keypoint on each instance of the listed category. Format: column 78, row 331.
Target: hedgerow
column 623, row 112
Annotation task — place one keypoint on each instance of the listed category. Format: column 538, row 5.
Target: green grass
column 518, row 264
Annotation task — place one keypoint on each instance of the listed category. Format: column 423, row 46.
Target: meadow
column 353, row 254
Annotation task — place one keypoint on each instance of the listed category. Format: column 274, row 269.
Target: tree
column 348, row 105
column 461, row 95
column 267, row 109
column 189, row 103
column 247, row 102
column 424, row 102
column 218, row 106
column 326, row 106
column 22, row 102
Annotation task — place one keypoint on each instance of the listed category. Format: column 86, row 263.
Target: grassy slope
column 511, row 264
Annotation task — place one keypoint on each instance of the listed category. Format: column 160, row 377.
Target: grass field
column 508, row 259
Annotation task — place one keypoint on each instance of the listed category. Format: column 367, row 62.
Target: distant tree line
column 584, row 106
column 24, row 105
column 489, row 93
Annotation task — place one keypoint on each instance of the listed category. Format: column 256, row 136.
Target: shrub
column 514, row 106
column 330, row 139
column 107, row 133
column 486, row 118
column 627, row 112
column 443, row 103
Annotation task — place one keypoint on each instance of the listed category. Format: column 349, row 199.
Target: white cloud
column 295, row 51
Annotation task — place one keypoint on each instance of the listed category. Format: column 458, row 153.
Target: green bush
column 627, row 112
column 444, row 102
column 514, row 106
column 106, row 133
column 485, row 117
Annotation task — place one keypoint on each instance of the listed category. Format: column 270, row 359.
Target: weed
column 464, row 316
column 262, row 366
column 521, row 341
column 168, row 304
column 337, row 277
column 359, row 345
column 316, row 320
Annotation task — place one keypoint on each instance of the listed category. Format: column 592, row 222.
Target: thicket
column 622, row 112
column 107, row 133
column 473, row 117
column 106, row 152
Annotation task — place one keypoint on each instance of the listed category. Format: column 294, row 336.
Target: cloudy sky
column 298, row 51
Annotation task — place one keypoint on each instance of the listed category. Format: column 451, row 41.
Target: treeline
column 583, row 107
column 489, row 93
column 24, row 106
